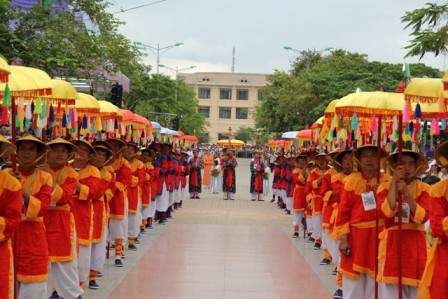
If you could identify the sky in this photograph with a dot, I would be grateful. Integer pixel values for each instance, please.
(259, 29)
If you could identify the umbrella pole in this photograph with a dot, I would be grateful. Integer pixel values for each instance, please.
(14, 168)
(377, 225)
(399, 198)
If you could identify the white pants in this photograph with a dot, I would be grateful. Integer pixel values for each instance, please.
(162, 200)
(117, 229)
(297, 218)
(183, 193)
(326, 241)
(133, 225)
(362, 288)
(288, 202)
(309, 224)
(85, 252)
(178, 194)
(266, 187)
(152, 209)
(214, 185)
(231, 195)
(146, 212)
(317, 226)
(32, 290)
(98, 254)
(388, 290)
(63, 276)
(170, 199)
(334, 250)
(256, 195)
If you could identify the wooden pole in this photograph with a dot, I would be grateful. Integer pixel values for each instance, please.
(377, 222)
(400, 211)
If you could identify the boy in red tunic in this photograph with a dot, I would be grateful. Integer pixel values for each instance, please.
(299, 177)
(10, 219)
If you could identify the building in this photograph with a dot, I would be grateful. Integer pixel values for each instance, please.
(227, 100)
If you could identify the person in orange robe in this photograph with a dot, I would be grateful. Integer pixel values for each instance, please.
(299, 177)
(103, 158)
(31, 246)
(433, 283)
(146, 188)
(208, 163)
(356, 225)
(10, 219)
(60, 222)
(134, 193)
(415, 207)
(122, 174)
(314, 184)
(87, 190)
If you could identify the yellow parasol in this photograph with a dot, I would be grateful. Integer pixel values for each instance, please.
(109, 111)
(87, 105)
(426, 90)
(27, 82)
(4, 70)
(329, 111)
(232, 142)
(63, 92)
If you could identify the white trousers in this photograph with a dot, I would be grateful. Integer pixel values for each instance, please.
(117, 229)
(214, 185)
(317, 226)
(32, 290)
(134, 221)
(309, 224)
(98, 254)
(326, 241)
(146, 212)
(64, 277)
(362, 288)
(230, 194)
(288, 202)
(297, 218)
(266, 187)
(334, 250)
(388, 290)
(85, 252)
(162, 200)
(178, 194)
(256, 195)
(152, 209)
(170, 198)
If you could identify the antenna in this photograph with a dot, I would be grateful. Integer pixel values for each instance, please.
(233, 60)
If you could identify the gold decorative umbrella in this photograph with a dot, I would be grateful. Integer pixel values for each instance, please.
(63, 92)
(109, 111)
(27, 82)
(426, 90)
(87, 105)
(232, 142)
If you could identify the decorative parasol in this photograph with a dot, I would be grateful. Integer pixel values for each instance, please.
(306, 134)
(63, 92)
(232, 142)
(87, 105)
(109, 111)
(426, 90)
(290, 135)
(4, 70)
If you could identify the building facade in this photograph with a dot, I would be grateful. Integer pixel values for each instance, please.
(227, 100)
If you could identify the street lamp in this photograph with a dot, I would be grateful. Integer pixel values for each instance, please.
(177, 70)
(307, 57)
(159, 51)
(230, 133)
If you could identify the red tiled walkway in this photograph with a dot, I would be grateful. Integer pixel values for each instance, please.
(221, 261)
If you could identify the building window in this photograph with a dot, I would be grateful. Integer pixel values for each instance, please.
(242, 113)
(204, 93)
(205, 110)
(260, 95)
(242, 94)
(225, 93)
(225, 112)
(223, 136)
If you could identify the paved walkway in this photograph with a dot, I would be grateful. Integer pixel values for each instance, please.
(214, 248)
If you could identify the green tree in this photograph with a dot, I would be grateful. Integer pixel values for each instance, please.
(155, 95)
(429, 30)
(245, 134)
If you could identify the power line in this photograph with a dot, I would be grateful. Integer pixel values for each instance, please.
(137, 7)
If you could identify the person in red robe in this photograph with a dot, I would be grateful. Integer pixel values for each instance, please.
(433, 283)
(229, 165)
(195, 181)
(10, 217)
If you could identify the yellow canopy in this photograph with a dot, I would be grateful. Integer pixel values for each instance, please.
(329, 111)
(109, 110)
(4, 70)
(233, 142)
(63, 91)
(87, 105)
(426, 90)
(28, 82)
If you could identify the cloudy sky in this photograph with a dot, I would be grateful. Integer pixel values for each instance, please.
(259, 29)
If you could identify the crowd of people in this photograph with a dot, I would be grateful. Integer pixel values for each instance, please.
(374, 224)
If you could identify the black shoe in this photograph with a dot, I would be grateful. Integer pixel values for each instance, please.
(253, 199)
(191, 197)
(142, 231)
(122, 255)
(335, 271)
(93, 285)
(118, 263)
(162, 221)
(54, 295)
(149, 226)
(112, 246)
(272, 200)
(197, 197)
(316, 246)
(132, 247)
(136, 241)
(338, 294)
(287, 212)
(99, 274)
(310, 240)
(295, 235)
(325, 261)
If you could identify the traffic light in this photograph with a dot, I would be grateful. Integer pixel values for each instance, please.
(176, 123)
(116, 94)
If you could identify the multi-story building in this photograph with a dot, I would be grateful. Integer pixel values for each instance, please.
(227, 100)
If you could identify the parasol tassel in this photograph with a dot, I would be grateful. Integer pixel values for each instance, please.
(64, 120)
(417, 126)
(418, 111)
(374, 126)
(38, 107)
(51, 117)
(58, 110)
(442, 105)
(72, 119)
(84, 122)
(4, 115)
(7, 96)
(28, 112)
(425, 127)
(406, 113)
(116, 123)
(32, 108)
(354, 124)
(443, 125)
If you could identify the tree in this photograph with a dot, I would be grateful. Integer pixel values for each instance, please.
(157, 93)
(245, 134)
(59, 41)
(429, 30)
(294, 101)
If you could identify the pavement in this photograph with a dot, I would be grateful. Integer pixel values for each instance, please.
(202, 219)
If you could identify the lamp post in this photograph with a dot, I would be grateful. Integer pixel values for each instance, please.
(159, 51)
(230, 133)
(304, 53)
(177, 70)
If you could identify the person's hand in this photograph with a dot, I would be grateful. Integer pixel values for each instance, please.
(398, 174)
(402, 187)
(344, 246)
